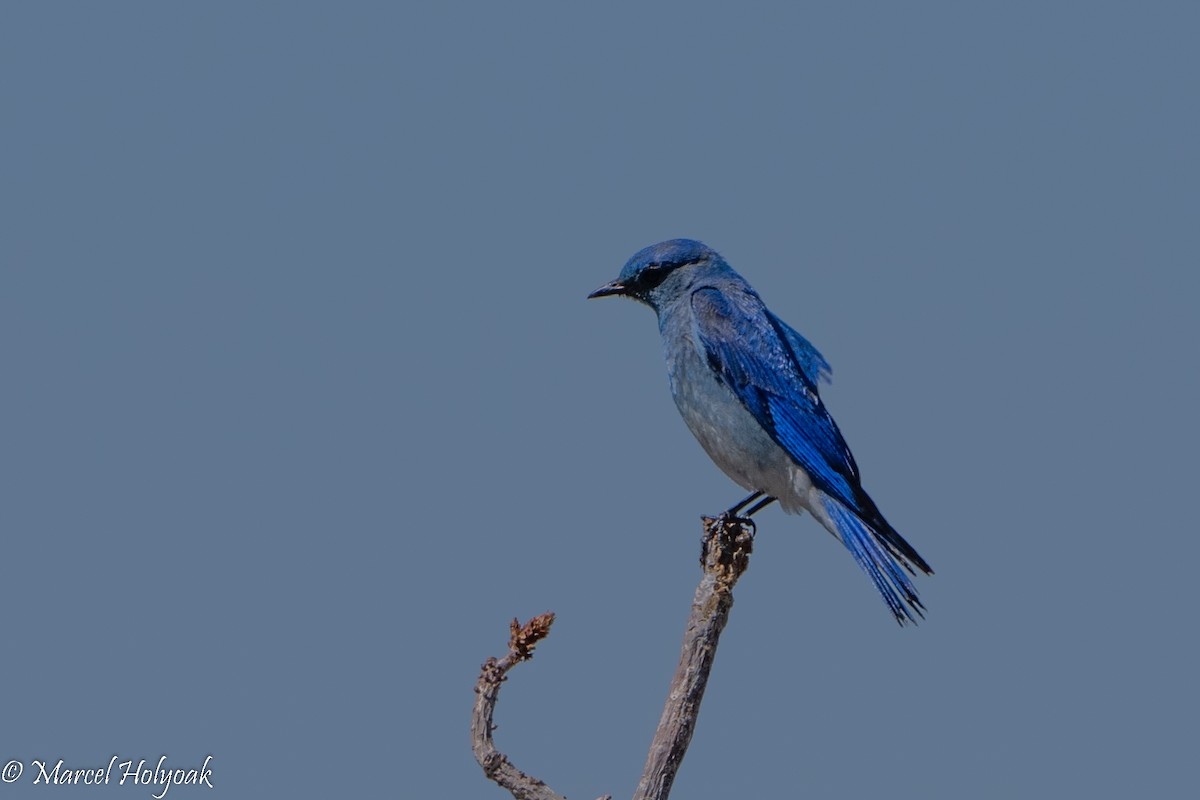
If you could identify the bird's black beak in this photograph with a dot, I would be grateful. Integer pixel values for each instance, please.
(614, 287)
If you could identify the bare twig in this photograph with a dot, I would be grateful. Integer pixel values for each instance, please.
(727, 545)
(522, 639)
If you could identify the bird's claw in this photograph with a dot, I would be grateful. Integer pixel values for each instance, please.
(728, 518)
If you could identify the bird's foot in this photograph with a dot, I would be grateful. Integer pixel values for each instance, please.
(727, 519)
(732, 517)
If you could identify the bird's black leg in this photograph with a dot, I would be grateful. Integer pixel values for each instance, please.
(733, 512)
(759, 506)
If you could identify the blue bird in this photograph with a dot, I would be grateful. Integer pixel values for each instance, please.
(746, 385)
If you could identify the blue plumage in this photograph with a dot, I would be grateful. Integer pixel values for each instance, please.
(746, 384)
(814, 365)
(755, 363)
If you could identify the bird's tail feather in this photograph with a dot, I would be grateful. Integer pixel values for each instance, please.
(904, 552)
(881, 562)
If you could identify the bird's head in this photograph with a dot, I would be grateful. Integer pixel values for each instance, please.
(651, 266)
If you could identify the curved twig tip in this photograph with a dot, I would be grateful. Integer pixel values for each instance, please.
(496, 766)
(523, 638)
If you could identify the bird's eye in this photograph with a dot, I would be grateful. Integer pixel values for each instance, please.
(651, 275)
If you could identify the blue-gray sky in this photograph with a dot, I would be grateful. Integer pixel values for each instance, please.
(303, 401)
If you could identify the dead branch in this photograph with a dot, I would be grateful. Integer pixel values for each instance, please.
(726, 554)
(727, 546)
(521, 642)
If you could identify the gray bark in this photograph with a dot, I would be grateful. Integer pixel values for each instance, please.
(726, 554)
(727, 545)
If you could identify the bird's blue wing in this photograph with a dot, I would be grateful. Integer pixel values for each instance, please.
(815, 367)
(773, 371)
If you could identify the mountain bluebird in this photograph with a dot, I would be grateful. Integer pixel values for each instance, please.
(746, 385)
